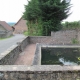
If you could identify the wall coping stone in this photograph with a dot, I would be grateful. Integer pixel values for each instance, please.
(20, 41)
(38, 68)
(39, 36)
(2, 55)
(58, 46)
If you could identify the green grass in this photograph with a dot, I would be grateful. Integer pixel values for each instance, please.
(26, 33)
(75, 41)
(5, 38)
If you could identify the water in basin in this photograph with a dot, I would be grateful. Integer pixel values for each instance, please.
(60, 56)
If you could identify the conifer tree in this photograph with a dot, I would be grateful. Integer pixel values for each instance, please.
(49, 12)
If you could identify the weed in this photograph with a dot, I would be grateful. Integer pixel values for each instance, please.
(75, 41)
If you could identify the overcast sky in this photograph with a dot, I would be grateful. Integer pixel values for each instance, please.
(11, 10)
(75, 16)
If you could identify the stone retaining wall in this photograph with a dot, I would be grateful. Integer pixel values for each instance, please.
(40, 39)
(23, 43)
(66, 36)
(49, 72)
(59, 37)
(9, 56)
(8, 71)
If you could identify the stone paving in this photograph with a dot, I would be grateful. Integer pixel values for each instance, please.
(26, 57)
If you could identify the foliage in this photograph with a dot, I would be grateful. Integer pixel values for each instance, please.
(34, 29)
(44, 16)
(31, 14)
(5, 38)
(26, 33)
(75, 41)
(71, 25)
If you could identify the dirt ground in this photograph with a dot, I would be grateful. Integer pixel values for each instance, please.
(26, 57)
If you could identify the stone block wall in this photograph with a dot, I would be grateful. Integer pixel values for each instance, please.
(78, 37)
(65, 37)
(39, 72)
(23, 43)
(40, 39)
(8, 71)
(59, 37)
(10, 55)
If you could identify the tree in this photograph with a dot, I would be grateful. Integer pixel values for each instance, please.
(50, 13)
(32, 14)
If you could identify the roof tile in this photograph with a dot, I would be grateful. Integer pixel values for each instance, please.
(5, 25)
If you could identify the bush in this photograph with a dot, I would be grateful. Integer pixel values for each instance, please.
(75, 41)
(26, 33)
(71, 25)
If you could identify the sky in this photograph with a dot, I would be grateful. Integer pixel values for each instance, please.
(12, 10)
(75, 16)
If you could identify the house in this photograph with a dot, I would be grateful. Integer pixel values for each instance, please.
(20, 26)
(5, 29)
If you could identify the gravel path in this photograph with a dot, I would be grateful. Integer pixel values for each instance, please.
(26, 57)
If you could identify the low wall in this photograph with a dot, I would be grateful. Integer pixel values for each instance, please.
(47, 40)
(59, 37)
(78, 37)
(9, 56)
(8, 71)
(39, 72)
(40, 39)
(65, 36)
(23, 43)
(37, 56)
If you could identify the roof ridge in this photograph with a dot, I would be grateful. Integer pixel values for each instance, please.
(5, 25)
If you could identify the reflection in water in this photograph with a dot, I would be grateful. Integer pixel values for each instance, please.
(60, 56)
(67, 62)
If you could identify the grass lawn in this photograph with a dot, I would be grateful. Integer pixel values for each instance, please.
(5, 38)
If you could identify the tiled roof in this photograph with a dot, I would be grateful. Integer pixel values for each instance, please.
(23, 22)
(5, 25)
(18, 21)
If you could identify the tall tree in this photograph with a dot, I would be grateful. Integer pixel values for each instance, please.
(49, 12)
